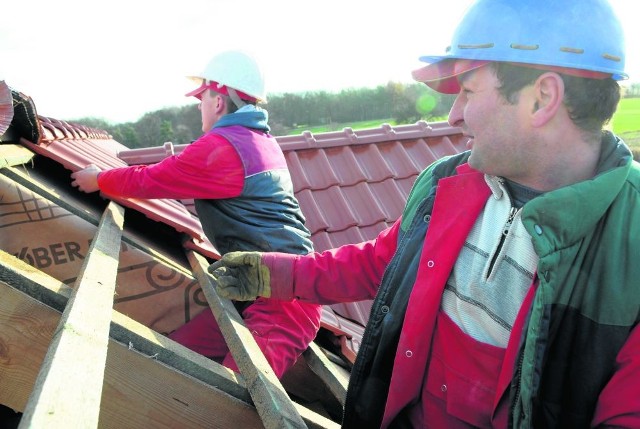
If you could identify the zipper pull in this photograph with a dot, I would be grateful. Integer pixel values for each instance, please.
(507, 226)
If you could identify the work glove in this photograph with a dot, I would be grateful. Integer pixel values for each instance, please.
(241, 276)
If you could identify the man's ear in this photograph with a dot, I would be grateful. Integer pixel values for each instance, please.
(221, 106)
(549, 98)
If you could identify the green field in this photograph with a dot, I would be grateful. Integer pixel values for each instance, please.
(625, 123)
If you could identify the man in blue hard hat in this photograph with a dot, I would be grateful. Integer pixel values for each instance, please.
(505, 295)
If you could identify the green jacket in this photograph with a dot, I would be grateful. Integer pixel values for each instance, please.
(586, 303)
(588, 299)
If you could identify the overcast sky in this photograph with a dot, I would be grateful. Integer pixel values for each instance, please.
(119, 59)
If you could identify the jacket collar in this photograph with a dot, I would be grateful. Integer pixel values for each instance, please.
(565, 215)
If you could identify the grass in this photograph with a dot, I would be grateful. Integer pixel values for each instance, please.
(334, 126)
(627, 117)
(625, 123)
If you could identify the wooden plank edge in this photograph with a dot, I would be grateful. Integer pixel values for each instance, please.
(67, 394)
(14, 154)
(327, 372)
(139, 338)
(55, 294)
(139, 391)
(271, 400)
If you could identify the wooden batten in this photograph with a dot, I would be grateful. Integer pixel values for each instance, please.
(82, 336)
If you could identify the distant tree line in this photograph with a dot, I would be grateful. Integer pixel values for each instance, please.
(632, 90)
(397, 102)
(401, 103)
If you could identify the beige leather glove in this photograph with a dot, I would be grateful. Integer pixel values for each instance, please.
(241, 276)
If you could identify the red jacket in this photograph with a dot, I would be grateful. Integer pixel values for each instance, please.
(354, 272)
(211, 168)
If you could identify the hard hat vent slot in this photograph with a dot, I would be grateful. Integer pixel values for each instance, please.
(611, 57)
(525, 47)
(481, 46)
(572, 50)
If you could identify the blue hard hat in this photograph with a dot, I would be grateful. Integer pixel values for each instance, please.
(571, 34)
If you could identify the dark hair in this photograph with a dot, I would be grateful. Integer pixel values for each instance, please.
(231, 106)
(591, 102)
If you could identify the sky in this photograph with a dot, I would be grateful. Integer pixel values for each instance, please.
(119, 59)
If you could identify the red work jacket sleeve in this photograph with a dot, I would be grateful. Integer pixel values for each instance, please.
(282, 329)
(346, 274)
(209, 168)
(619, 402)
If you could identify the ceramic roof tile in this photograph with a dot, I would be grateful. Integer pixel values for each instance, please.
(325, 168)
(365, 204)
(372, 231)
(322, 241)
(298, 177)
(6, 107)
(345, 165)
(315, 220)
(335, 208)
(405, 185)
(317, 169)
(399, 160)
(76, 146)
(350, 235)
(392, 197)
(372, 161)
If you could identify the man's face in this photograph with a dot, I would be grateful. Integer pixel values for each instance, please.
(209, 109)
(497, 132)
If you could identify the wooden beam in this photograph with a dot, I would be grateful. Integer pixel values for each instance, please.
(14, 154)
(140, 391)
(271, 400)
(65, 394)
(142, 387)
(160, 374)
(55, 294)
(327, 371)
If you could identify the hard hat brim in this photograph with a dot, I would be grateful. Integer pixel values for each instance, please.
(442, 74)
(220, 89)
(198, 91)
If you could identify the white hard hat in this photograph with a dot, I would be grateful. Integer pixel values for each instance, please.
(232, 69)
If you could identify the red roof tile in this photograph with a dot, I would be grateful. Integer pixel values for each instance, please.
(6, 107)
(353, 184)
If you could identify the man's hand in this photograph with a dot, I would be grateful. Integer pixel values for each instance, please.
(241, 276)
(86, 180)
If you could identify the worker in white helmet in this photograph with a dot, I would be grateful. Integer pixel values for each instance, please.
(508, 294)
(238, 177)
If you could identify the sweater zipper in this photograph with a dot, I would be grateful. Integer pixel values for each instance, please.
(503, 237)
(516, 394)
